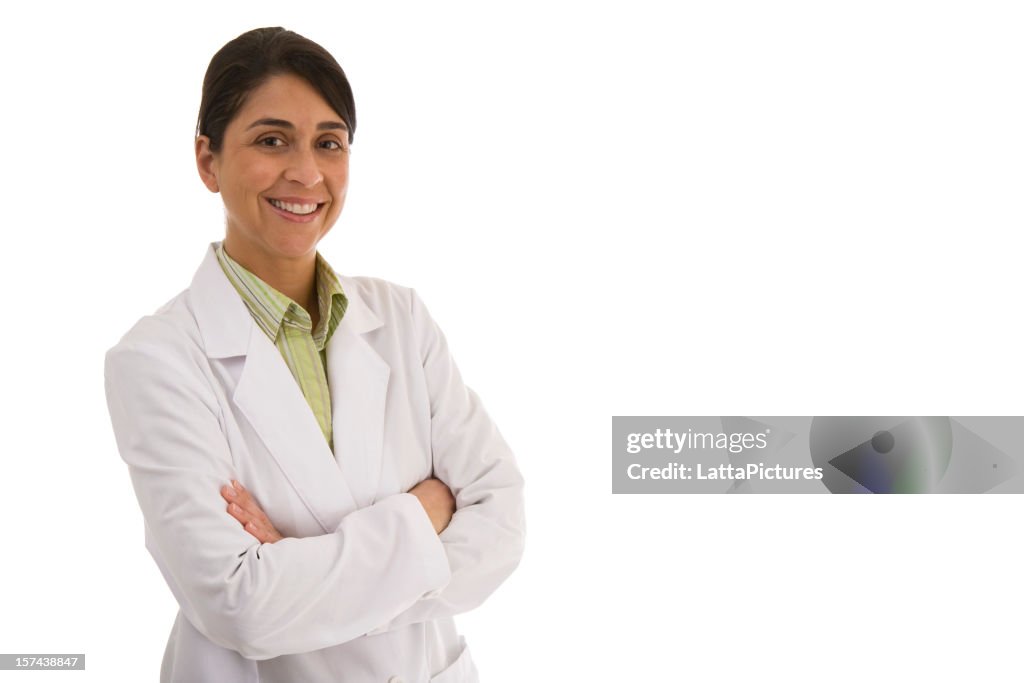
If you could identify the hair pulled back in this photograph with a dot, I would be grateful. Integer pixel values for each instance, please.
(246, 62)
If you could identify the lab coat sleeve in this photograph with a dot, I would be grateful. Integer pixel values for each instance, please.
(297, 595)
(484, 541)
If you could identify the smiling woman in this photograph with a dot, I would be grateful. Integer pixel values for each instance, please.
(365, 497)
(282, 171)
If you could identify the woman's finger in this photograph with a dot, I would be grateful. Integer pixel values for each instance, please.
(252, 526)
(237, 503)
(256, 531)
(249, 504)
(245, 500)
(238, 513)
(228, 493)
(244, 508)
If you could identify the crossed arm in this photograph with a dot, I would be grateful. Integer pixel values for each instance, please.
(435, 497)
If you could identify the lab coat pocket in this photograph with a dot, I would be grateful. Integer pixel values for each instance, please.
(462, 670)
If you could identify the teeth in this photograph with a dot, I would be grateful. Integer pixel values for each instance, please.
(300, 209)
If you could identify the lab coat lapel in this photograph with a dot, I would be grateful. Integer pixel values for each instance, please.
(359, 384)
(269, 397)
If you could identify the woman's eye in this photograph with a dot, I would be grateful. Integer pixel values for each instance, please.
(270, 141)
(332, 145)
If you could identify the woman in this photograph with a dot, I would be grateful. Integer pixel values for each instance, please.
(320, 489)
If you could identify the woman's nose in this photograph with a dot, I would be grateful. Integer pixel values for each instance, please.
(303, 169)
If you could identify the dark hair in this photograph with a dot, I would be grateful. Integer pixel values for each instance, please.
(246, 62)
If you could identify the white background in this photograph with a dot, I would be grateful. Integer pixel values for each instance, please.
(710, 208)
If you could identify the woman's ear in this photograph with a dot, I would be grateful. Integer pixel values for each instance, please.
(206, 163)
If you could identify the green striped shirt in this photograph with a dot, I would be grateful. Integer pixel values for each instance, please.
(289, 326)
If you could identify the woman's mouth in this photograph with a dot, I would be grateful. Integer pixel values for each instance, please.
(299, 212)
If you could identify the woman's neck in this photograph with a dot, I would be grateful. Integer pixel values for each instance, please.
(293, 277)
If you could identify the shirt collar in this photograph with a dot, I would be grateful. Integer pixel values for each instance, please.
(331, 299)
(271, 309)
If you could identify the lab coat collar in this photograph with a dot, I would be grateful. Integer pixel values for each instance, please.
(224, 321)
(330, 484)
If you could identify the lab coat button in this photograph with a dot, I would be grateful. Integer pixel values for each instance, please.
(396, 679)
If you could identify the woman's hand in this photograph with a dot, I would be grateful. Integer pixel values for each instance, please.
(243, 507)
(437, 501)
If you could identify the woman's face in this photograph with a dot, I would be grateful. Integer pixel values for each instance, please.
(282, 172)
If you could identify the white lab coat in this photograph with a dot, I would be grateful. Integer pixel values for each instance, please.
(363, 589)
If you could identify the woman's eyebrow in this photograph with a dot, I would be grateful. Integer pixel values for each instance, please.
(331, 125)
(281, 123)
(277, 123)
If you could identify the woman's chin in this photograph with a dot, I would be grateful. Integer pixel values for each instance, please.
(275, 242)
(290, 244)
(295, 241)
(292, 249)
